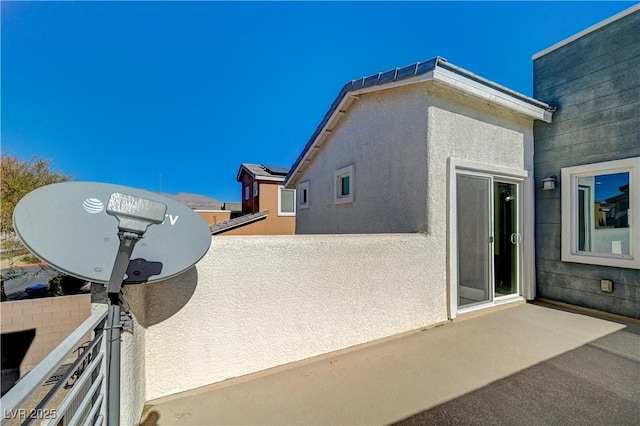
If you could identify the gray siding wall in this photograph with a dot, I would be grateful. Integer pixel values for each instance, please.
(594, 82)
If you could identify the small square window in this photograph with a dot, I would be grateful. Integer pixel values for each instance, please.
(255, 189)
(597, 225)
(246, 192)
(343, 185)
(303, 195)
(286, 201)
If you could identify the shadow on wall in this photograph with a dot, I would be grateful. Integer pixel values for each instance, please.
(152, 419)
(167, 298)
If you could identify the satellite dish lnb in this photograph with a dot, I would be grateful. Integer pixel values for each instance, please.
(73, 226)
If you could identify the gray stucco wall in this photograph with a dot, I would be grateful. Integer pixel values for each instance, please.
(594, 82)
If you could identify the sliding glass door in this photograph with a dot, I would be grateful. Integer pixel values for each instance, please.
(488, 238)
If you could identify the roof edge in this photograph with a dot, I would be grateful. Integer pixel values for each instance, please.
(589, 30)
(406, 75)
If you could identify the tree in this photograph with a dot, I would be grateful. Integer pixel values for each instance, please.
(20, 177)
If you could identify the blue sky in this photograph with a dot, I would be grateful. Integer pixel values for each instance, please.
(126, 92)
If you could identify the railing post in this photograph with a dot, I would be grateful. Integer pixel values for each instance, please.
(103, 369)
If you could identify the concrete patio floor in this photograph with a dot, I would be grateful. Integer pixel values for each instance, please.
(527, 364)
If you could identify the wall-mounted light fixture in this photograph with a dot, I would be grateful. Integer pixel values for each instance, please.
(549, 183)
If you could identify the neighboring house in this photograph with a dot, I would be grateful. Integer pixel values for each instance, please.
(588, 228)
(211, 210)
(430, 148)
(267, 207)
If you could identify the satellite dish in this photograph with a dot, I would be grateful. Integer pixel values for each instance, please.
(102, 233)
(67, 226)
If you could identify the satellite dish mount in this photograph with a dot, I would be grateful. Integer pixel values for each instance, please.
(135, 215)
(80, 218)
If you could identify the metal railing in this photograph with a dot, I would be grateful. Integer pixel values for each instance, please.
(84, 402)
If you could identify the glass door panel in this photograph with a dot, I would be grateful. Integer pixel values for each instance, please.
(507, 238)
(474, 243)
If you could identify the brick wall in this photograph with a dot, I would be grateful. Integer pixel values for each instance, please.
(54, 318)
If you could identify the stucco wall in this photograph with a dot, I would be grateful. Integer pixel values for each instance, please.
(384, 135)
(594, 82)
(133, 393)
(463, 128)
(398, 141)
(258, 302)
(273, 224)
(214, 216)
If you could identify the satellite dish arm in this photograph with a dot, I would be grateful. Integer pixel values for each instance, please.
(127, 243)
(135, 215)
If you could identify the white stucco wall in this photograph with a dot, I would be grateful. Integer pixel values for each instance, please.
(399, 141)
(384, 135)
(132, 366)
(258, 302)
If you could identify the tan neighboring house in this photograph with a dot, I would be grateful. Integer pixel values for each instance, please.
(268, 208)
(210, 209)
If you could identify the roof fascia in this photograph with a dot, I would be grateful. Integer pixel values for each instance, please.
(453, 76)
(492, 95)
(243, 169)
(589, 30)
(269, 178)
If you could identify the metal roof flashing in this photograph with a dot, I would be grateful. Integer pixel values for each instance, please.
(436, 69)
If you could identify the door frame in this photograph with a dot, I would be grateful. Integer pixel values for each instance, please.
(526, 221)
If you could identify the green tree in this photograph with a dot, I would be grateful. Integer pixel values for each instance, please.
(18, 178)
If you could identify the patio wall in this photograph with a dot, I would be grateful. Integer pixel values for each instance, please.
(53, 318)
(253, 303)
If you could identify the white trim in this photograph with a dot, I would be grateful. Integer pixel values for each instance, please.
(280, 212)
(569, 197)
(451, 79)
(527, 251)
(270, 179)
(488, 168)
(303, 187)
(483, 91)
(589, 30)
(338, 175)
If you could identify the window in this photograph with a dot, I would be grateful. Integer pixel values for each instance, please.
(246, 192)
(286, 201)
(600, 225)
(343, 185)
(255, 188)
(303, 195)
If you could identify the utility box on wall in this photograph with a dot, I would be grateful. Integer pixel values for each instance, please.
(606, 285)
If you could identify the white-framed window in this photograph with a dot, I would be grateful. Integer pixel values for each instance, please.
(343, 185)
(303, 195)
(246, 192)
(255, 188)
(286, 201)
(601, 213)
